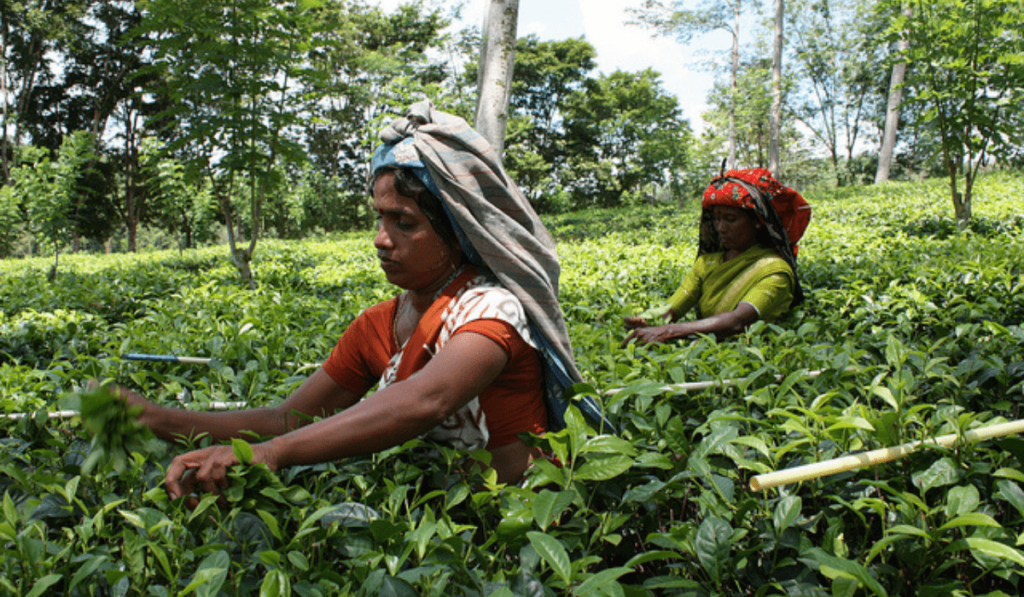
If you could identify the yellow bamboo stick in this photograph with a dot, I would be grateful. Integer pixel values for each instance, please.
(698, 386)
(880, 456)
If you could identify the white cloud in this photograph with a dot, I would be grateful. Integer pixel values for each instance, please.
(633, 48)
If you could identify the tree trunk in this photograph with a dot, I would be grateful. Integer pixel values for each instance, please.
(494, 79)
(961, 208)
(733, 86)
(5, 167)
(961, 204)
(892, 113)
(132, 219)
(240, 257)
(775, 116)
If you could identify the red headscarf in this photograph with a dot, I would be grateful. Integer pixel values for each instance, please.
(739, 188)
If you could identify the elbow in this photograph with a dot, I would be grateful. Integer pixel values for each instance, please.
(430, 409)
(736, 323)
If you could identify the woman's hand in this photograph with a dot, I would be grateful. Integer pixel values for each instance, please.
(721, 325)
(632, 323)
(651, 315)
(652, 335)
(149, 410)
(207, 469)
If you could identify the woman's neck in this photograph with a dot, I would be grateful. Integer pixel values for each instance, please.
(420, 299)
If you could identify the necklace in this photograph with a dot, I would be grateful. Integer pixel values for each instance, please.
(403, 303)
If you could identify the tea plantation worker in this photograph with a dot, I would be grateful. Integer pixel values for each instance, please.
(746, 261)
(472, 352)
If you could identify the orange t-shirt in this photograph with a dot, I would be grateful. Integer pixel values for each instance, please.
(512, 404)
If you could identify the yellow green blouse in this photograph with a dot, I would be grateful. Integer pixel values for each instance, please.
(757, 276)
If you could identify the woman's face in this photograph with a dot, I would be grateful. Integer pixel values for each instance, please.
(736, 227)
(412, 255)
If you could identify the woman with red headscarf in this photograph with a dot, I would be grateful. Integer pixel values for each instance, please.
(746, 261)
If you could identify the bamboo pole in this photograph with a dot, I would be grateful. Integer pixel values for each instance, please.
(160, 358)
(166, 358)
(67, 414)
(880, 456)
(698, 386)
(170, 358)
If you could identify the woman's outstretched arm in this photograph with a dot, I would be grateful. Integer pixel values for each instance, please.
(318, 396)
(460, 371)
(721, 325)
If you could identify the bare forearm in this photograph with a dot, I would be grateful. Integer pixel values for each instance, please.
(723, 324)
(318, 396)
(381, 422)
(174, 424)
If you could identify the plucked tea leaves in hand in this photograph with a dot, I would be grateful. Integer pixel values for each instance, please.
(115, 429)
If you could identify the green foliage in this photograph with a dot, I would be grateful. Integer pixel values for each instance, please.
(911, 330)
(115, 429)
(965, 71)
(837, 58)
(576, 141)
(623, 132)
(48, 189)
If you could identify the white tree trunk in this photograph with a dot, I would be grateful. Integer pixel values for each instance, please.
(892, 113)
(494, 79)
(775, 116)
(733, 87)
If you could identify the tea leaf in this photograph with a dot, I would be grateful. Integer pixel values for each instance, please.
(833, 567)
(995, 549)
(43, 584)
(786, 512)
(552, 552)
(712, 544)
(548, 505)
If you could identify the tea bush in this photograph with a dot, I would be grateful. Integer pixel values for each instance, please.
(911, 329)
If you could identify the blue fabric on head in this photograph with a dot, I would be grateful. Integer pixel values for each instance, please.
(404, 155)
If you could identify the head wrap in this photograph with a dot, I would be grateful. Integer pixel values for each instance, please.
(782, 210)
(497, 229)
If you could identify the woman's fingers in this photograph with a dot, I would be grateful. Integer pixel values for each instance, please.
(647, 335)
(206, 468)
(632, 323)
(637, 335)
(180, 480)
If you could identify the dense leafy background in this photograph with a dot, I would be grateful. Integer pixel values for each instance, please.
(911, 329)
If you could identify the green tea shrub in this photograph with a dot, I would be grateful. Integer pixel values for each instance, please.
(911, 329)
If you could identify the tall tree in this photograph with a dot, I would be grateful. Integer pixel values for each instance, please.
(675, 19)
(370, 62)
(548, 73)
(836, 57)
(751, 115)
(180, 202)
(892, 109)
(624, 133)
(237, 71)
(966, 69)
(775, 115)
(37, 37)
(50, 189)
(494, 82)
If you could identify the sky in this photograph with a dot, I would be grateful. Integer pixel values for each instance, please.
(619, 46)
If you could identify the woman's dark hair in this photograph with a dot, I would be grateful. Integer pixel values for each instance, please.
(409, 185)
